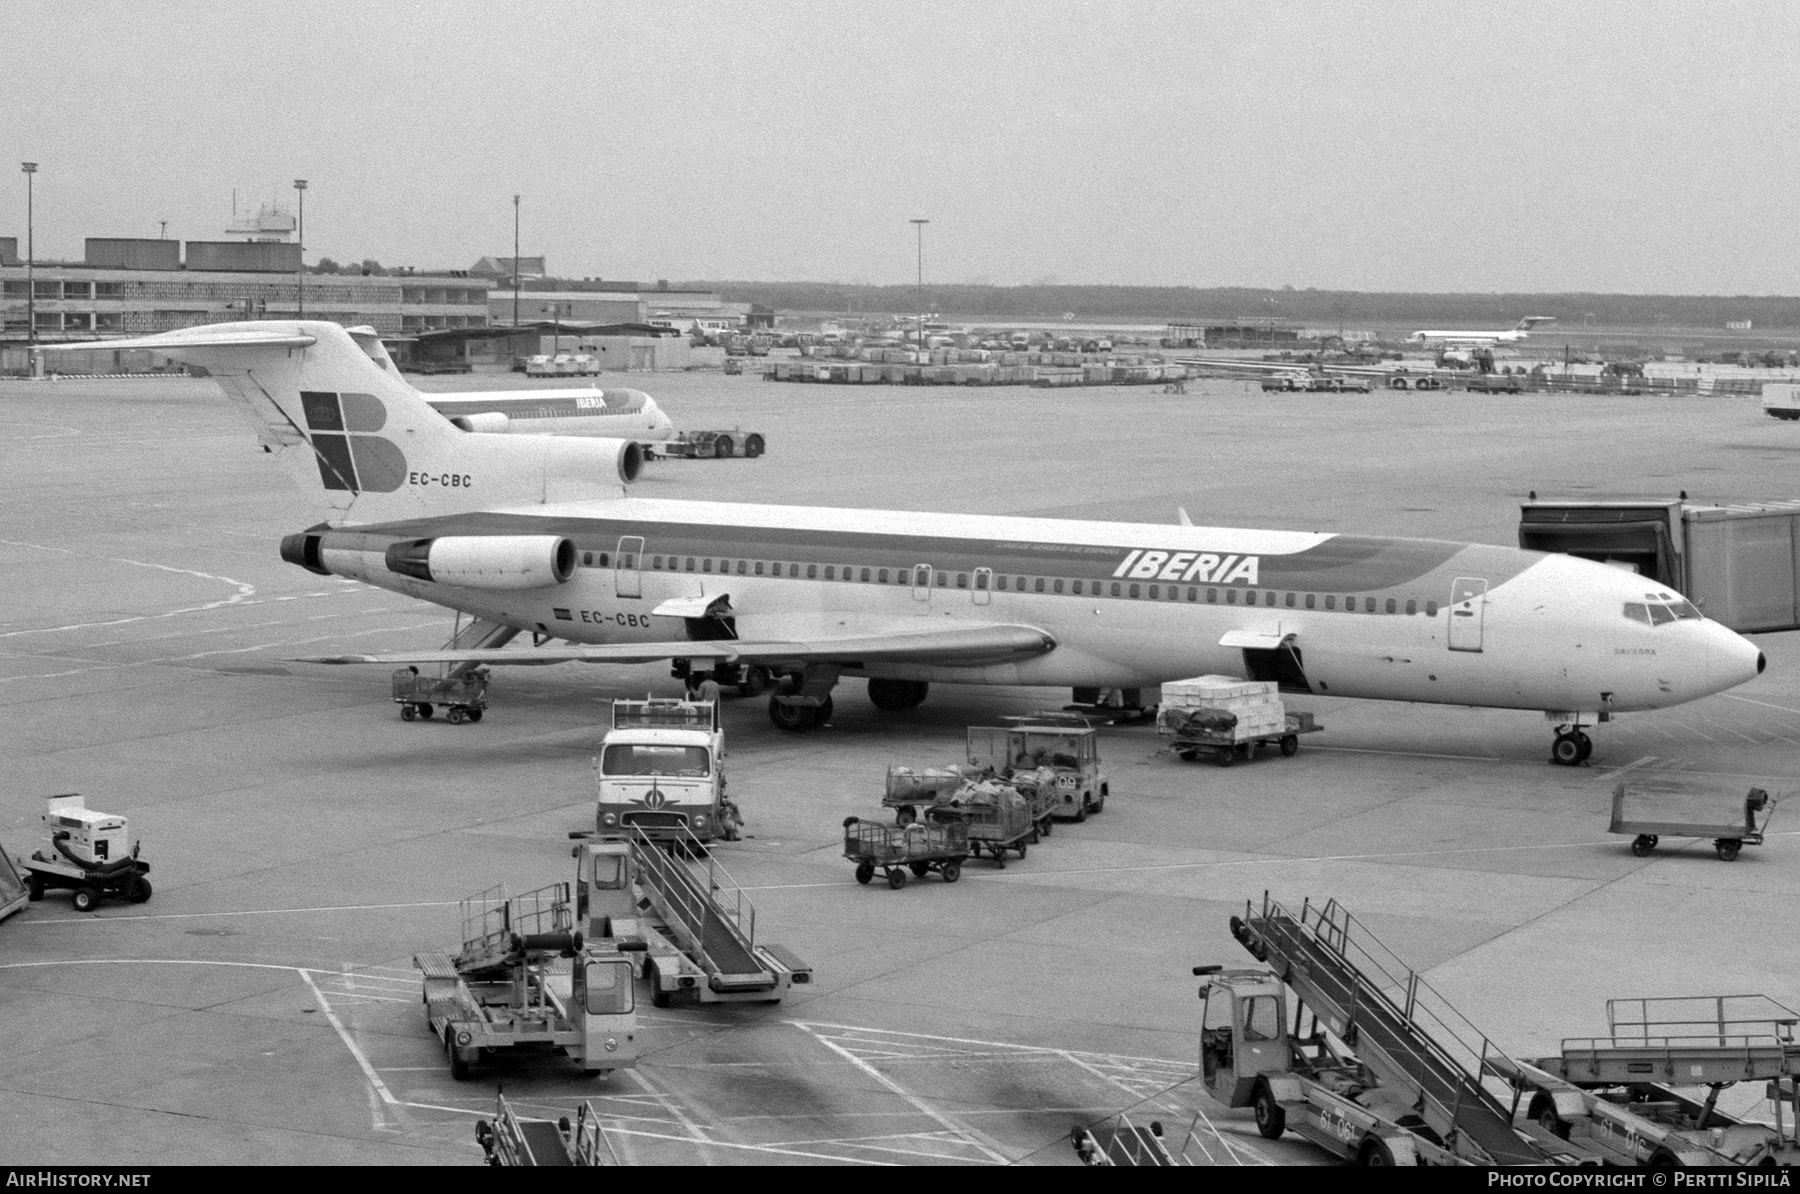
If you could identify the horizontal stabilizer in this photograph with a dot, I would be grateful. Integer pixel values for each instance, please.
(1255, 639)
(970, 646)
(204, 337)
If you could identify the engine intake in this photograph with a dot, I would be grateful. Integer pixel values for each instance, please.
(487, 422)
(495, 562)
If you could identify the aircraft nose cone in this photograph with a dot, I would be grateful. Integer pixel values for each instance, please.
(1736, 660)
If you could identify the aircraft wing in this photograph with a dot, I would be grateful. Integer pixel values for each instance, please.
(966, 646)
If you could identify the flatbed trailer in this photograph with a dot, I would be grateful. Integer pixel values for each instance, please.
(1648, 821)
(1226, 748)
(462, 695)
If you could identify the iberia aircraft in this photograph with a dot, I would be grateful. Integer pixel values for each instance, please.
(582, 410)
(534, 533)
(1512, 335)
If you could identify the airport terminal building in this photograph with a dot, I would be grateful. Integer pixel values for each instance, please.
(128, 287)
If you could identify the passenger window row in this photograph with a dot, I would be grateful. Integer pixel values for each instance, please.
(1039, 584)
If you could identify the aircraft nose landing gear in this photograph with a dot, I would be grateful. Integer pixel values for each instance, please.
(1571, 747)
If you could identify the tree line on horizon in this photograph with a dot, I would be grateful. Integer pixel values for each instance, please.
(1285, 306)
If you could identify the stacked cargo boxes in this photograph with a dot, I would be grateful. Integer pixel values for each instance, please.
(1255, 703)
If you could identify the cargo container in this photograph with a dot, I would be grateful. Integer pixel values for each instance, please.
(1739, 563)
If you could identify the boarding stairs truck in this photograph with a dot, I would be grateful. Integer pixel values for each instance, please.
(695, 925)
(528, 977)
(661, 771)
(1616, 1095)
(1386, 1073)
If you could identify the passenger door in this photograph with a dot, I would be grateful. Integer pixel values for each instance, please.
(628, 567)
(921, 582)
(1468, 601)
(984, 585)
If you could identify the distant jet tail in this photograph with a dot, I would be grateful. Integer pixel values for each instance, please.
(330, 404)
(1531, 321)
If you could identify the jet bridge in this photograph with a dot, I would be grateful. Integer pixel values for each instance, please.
(1407, 1034)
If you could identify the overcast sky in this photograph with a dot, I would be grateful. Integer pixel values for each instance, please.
(1583, 145)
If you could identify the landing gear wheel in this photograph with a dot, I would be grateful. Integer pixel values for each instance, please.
(1566, 749)
(474, 715)
(1290, 746)
(793, 718)
(723, 447)
(755, 682)
(865, 871)
(753, 446)
(896, 878)
(85, 899)
(951, 871)
(424, 712)
(407, 713)
(455, 716)
(1586, 744)
(1271, 1120)
(140, 892)
(1728, 849)
(1642, 844)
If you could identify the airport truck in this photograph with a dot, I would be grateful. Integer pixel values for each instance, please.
(527, 978)
(1062, 742)
(661, 770)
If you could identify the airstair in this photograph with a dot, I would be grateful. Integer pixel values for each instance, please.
(1398, 1025)
(476, 635)
(708, 925)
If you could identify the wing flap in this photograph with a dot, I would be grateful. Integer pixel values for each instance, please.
(968, 646)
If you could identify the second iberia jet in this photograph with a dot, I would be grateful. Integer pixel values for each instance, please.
(533, 533)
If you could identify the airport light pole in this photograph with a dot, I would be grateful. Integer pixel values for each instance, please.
(300, 185)
(30, 168)
(515, 262)
(919, 224)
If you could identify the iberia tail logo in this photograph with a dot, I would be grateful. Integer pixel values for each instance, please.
(351, 457)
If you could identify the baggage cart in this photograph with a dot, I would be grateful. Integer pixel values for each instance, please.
(1650, 810)
(1195, 739)
(464, 696)
(895, 849)
(997, 821)
(910, 789)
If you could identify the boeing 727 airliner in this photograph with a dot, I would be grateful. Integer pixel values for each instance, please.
(532, 533)
(1512, 335)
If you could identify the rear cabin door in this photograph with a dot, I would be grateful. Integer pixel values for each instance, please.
(630, 564)
(1468, 599)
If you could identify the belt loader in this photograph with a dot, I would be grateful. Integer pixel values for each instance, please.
(1616, 1095)
(526, 977)
(1372, 1065)
(694, 926)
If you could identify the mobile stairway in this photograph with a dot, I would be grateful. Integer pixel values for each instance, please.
(1402, 1029)
(697, 925)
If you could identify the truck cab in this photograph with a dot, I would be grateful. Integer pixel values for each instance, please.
(660, 769)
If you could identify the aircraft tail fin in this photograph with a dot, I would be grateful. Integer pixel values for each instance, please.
(330, 404)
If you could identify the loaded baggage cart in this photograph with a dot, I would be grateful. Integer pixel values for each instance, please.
(910, 789)
(88, 854)
(897, 849)
(998, 818)
(464, 696)
(1228, 718)
(1648, 809)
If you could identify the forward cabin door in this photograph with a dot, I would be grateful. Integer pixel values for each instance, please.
(1468, 599)
(921, 582)
(628, 567)
(984, 585)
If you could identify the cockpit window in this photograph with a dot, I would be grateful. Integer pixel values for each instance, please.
(1661, 611)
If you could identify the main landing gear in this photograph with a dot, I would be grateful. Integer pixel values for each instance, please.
(1571, 747)
(795, 716)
